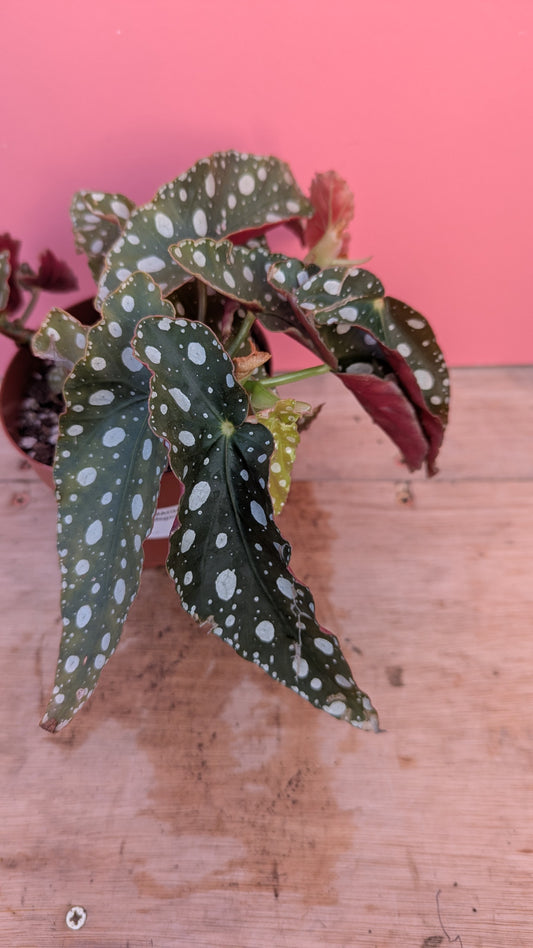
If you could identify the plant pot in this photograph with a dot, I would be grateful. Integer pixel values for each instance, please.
(12, 392)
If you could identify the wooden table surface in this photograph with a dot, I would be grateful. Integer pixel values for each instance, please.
(197, 803)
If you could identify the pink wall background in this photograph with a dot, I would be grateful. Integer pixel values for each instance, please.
(424, 107)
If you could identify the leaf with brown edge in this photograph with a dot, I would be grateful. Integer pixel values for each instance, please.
(245, 365)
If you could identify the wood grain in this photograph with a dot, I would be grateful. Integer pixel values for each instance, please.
(197, 803)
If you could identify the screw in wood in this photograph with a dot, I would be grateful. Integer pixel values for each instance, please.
(76, 917)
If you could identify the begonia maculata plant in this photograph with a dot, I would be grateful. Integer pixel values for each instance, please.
(171, 375)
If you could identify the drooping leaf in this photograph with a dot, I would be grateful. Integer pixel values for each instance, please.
(225, 194)
(326, 232)
(227, 558)
(53, 275)
(97, 221)
(282, 421)
(107, 471)
(372, 335)
(414, 357)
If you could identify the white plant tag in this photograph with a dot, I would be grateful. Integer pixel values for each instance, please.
(163, 520)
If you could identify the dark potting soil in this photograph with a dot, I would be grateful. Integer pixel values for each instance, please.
(38, 422)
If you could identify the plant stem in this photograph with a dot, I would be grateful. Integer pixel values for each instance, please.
(21, 320)
(202, 301)
(17, 333)
(243, 333)
(284, 378)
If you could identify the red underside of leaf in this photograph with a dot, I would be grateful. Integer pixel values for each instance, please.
(388, 407)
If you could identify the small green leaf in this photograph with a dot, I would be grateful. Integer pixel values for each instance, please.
(5, 273)
(107, 470)
(98, 220)
(61, 338)
(227, 558)
(225, 194)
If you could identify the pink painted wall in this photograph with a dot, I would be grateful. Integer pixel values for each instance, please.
(424, 107)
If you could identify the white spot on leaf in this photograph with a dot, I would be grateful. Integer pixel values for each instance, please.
(199, 495)
(258, 513)
(225, 584)
(265, 631)
(86, 476)
(151, 264)
(199, 222)
(94, 532)
(113, 437)
(196, 353)
(164, 225)
(180, 398)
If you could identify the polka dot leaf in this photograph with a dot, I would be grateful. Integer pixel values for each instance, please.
(107, 471)
(228, 560)
(239, 273)
(97, 222)
(386, 352)
(61, 338)
(334, 289)
(225, 194)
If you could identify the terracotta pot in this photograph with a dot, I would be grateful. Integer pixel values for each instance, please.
(13, 390)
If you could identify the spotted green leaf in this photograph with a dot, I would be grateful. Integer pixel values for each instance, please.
(5, 273)
(60, 338)
(107, 471)
(282, 421)
(240, 273)
(334, 291)
(421, 376)
(386, 352)
(227, 558)
(98, 220)
(225, 194)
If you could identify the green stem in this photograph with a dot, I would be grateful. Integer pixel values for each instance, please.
(243, 333)
(284, 378)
